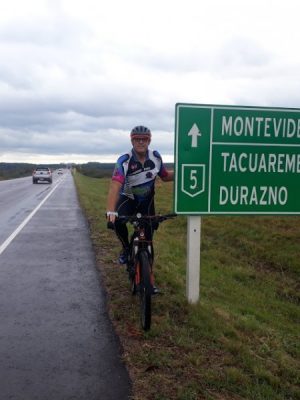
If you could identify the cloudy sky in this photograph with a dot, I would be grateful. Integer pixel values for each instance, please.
(77, 75)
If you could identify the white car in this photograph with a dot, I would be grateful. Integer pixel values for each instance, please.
(42, 174)
(60, 171)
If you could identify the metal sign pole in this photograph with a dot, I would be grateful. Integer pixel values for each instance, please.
(193, 259)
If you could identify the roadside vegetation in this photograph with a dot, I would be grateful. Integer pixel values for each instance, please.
(19, 170)
(242, 340)
(96, 169)
(15, 170)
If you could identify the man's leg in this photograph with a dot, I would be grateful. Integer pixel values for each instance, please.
(125, 206)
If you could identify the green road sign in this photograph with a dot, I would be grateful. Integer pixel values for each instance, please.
(237, 160)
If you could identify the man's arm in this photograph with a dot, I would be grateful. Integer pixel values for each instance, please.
(112, 199)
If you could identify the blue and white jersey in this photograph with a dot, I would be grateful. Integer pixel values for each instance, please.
(138, 179)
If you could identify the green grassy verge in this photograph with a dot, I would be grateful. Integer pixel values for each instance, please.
(242, 340)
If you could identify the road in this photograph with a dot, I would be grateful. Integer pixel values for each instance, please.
(56, 340)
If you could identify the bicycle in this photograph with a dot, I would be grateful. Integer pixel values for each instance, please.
(140, 261)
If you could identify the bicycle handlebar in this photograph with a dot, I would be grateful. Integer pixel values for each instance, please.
(139, 217)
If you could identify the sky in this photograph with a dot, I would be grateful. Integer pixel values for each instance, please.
(77, 75)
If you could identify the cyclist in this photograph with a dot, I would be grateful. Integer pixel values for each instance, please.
(132, 185)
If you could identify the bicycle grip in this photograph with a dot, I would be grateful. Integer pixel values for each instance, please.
(110, 225)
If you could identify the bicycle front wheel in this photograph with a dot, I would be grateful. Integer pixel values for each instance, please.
(145, 290)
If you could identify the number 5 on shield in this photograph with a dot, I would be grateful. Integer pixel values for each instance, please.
(193, 178)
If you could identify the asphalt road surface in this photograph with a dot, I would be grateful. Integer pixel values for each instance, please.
(56, 340)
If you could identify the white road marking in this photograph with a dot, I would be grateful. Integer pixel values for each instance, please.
(26, 220)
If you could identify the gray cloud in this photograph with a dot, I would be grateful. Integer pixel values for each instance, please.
(74, 81)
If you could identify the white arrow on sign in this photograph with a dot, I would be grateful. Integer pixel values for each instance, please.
(194, 132)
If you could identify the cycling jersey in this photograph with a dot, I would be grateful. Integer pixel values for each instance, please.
(138, 179)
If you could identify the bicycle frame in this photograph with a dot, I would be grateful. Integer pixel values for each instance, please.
(138, 243)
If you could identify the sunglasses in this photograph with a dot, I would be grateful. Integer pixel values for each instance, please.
(143, 140)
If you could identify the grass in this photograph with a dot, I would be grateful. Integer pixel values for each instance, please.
(241, 341)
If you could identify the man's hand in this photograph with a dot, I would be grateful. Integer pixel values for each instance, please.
(111, 216)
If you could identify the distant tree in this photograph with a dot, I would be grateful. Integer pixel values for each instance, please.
(96, 169)
(15, 170)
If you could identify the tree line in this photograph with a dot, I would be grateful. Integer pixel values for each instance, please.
(91, 169)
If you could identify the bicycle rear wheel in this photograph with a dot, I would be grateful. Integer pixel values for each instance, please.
(145, 290)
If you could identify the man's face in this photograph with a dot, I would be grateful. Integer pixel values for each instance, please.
(140, 144)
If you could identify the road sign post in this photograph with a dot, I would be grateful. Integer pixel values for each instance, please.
(237, 160)
(193, 258)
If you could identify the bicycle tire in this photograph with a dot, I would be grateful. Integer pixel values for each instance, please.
(145, 290)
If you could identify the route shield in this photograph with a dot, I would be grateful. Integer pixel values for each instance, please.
(193, 179)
